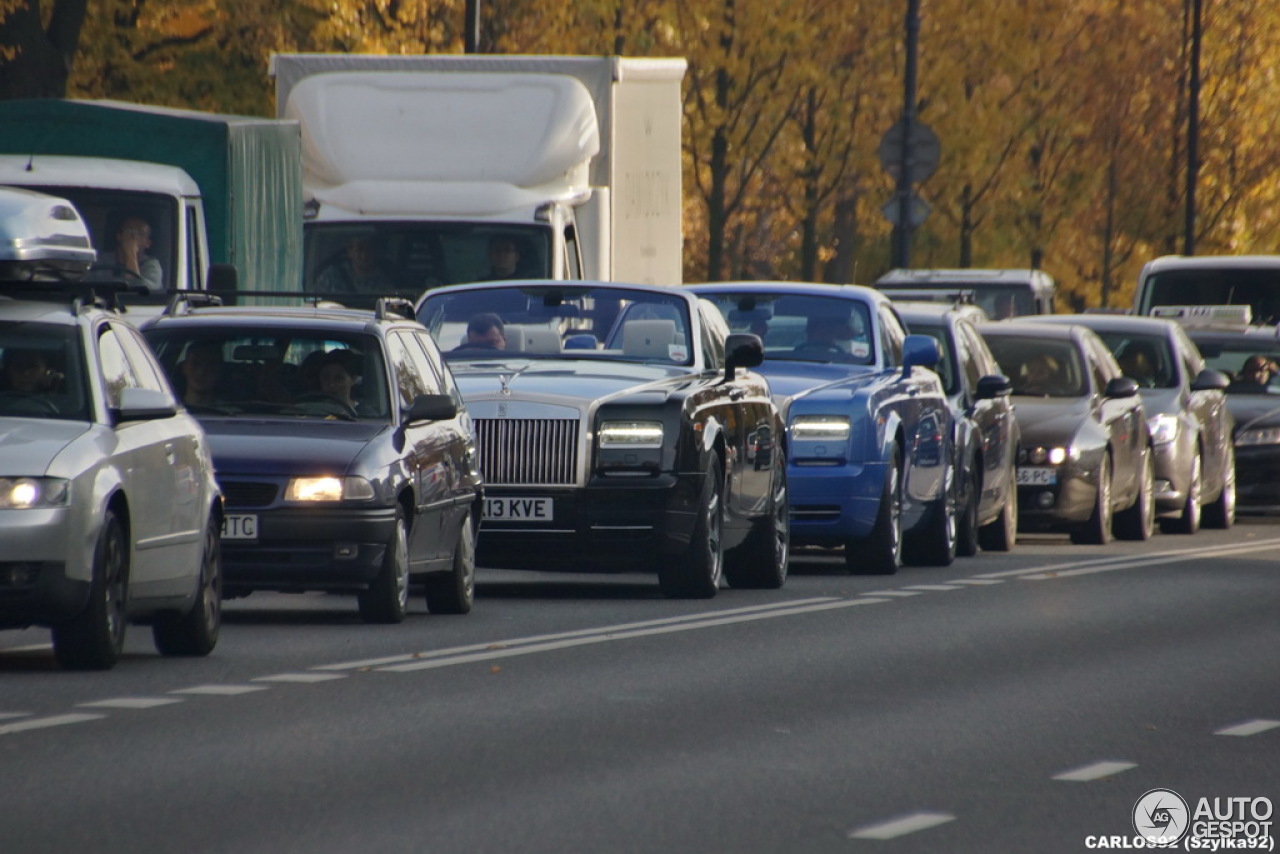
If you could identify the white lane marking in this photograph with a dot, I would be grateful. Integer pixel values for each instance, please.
(931, 587)
(1145, 561)
(35, 647)
(1252, 727)
(220, 690)
(301, 677)
(393, 659)
(897, 593)
(498, 651)
(1158, 557)
(977, 581)
(42, 723)
(896, 827)
(1095, 771)
(130, 703)
(8, 716)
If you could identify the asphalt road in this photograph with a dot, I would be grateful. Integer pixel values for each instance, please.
(1019, 702)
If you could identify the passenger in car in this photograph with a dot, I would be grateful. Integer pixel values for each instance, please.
(201, 371)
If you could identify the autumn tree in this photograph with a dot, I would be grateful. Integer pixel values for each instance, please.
(38, 43)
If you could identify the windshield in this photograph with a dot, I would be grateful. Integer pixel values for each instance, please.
(1256, 287)
(286, 373)
(801, 328)
(1039, 367)
(407, 258)
(42, 372)
(998, 301)
(1149, 359)
(559, 321)
(1240, 360)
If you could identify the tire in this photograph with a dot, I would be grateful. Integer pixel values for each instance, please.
(696, 573)
(1189, 521)
(881, 552)
(387, 598)
(93, 639)
(967, 515)
(936, 545)
(195, 633)
(1138, 521)
(1221, 514)
(761, 562)
(455, 591)
(1002, 534)
(1097, 531)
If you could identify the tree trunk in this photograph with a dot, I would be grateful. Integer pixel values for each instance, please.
(41, 60)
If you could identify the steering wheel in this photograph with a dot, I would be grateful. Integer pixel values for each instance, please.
(22, 400)
(331, 402)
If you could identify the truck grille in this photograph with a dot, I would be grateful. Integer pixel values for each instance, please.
(532, 452)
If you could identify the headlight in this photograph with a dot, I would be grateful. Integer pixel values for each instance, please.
(631, 434)
(825, 428)
(1259, 436)
(328, 489)
(1163, 428)
(27, 493)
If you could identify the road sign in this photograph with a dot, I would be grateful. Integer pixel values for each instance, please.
(917, 210)
(923, 150)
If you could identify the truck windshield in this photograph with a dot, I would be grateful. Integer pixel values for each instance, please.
(407, 258)
(1256, 287)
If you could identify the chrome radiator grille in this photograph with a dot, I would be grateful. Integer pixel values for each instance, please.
(528, 452)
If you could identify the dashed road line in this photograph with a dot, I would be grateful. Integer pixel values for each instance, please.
(1106, 564)
(1094, 771)
(8, 716)
(1252, 727)
(899, 594)
(221, 690)
(305, 678)
(130, 703)
(45, 723)
(901, 826)
(978, 582)
(931, 587)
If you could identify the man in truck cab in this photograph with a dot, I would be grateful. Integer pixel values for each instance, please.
(358, 272)
(130, 258)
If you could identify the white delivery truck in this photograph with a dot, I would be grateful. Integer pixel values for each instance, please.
(570, 167)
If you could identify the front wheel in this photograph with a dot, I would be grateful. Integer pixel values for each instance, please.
(936, 545)
(1189, 521)
(761, 562)
(696, 573)
(881, 552)
(1097, 531)
(195, 633)
(1222, 512)
(967, 514)
(93, 639)
(1002, 534)
(387, 598)
(455, 591)
(1138, 521)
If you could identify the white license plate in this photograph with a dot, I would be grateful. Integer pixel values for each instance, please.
(519, 509)
(240, 527)
(1037, 476)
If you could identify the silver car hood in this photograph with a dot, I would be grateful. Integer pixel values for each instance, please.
(29, 445)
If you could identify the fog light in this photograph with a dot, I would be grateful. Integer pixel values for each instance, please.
(345, 551)
(1044, 500)
(19, 574)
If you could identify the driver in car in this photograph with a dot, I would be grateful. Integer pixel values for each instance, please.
(28, 372)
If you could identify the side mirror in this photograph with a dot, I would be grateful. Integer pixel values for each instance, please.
(992, 386)
(919, 350)
(742, 350)
(222, 279)
(1121, 387)
(1210, 380)
(143, 404)
(432, 407)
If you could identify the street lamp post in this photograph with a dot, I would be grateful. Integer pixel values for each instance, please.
(902, 247)
(1193, 132)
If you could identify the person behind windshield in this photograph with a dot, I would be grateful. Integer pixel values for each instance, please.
(359, 272)
(201, 373)
(1138, 362)
(826, 334)
(1040, 376)
(485, 331)
(504, 259)
(338, 378)
(1255, 376)
(28, 372)
(130, 258)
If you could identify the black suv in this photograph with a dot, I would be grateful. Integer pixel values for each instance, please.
(343, 448)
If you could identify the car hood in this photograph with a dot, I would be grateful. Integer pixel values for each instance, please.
(29, 445)
(795, 379)
(1254, 410)
(273, 447)
(1049, 420)
(571, 382)
(1158, 401)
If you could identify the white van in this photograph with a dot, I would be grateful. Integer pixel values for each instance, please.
(1212, 280)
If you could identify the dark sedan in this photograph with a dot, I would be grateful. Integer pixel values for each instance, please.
(987, 433)
(1085, 461)
(1254, 405)
(342, 446)
(618, 428)
(1187, 415)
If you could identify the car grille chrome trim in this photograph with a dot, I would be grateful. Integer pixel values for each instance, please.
(528, 452)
